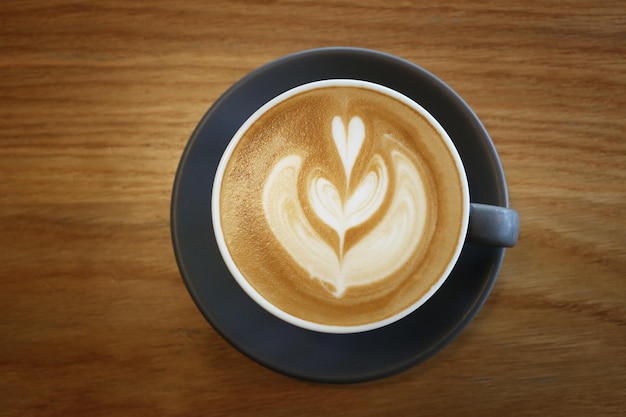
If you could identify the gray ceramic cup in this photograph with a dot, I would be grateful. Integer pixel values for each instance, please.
(482, 224)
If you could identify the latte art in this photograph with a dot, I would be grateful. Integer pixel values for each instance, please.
(340, 205)
(381, 251)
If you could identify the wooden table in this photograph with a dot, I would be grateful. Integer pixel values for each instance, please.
(97, 101)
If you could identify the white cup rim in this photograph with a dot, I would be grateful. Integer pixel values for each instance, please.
(251, 291)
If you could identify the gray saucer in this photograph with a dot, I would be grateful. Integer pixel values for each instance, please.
(281, 346)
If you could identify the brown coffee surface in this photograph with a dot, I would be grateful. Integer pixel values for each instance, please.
(341, 205)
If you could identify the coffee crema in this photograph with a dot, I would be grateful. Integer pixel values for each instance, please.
(341, 205)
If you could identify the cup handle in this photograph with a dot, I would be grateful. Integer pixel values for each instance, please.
(493, 225)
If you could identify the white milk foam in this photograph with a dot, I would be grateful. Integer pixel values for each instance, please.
(379, 253)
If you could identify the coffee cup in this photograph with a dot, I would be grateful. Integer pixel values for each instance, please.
(341, 206)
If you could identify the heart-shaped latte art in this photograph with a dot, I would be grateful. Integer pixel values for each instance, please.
(380, 252)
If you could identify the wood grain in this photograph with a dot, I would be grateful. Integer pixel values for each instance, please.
(97, 101)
